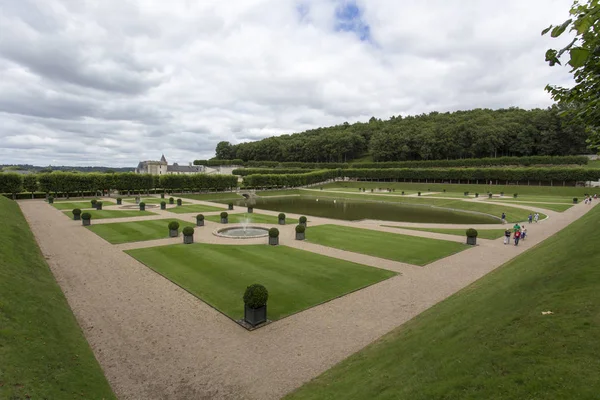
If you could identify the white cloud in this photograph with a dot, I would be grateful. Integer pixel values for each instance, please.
(114, 82)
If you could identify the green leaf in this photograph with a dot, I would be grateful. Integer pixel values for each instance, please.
(582, 25)
(578, 57)
(558, 30)
(546, 30)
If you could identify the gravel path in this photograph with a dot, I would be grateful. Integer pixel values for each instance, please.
(156, 341)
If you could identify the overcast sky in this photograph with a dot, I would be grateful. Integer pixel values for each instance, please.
(113, 82)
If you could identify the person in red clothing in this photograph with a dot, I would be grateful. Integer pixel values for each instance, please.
(517, 237)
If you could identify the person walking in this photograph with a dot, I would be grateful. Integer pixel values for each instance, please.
(536, 217)
(530, 218)
(523, 233)
(517, 237)
(503, 218)
(517, 227)
(507, 236)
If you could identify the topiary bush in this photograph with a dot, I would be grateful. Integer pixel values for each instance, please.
(224, 214)
(94, 203)
(418, 193)
(142, 204)
(171, 200)
(86, 216)
(302, 220)
(575, 200)
(199, 217)
(256, 296)
(76, 211)
(173, 225)
(471, 232)
(50, 199)
(515, 195)
(179, 202)
(273, 232)
(281, 216)
(476, 194)
(188, 231)
(300, 228)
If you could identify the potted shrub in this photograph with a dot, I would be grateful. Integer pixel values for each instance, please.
(224, 217)
(142, 206)
(98, 205)
(444, 190)
(94, 201)
(250, 210)
(255, 304)
(188, 235)
(501, 194)
(274, 236)
(50, 200)
(281, 218)
(471, 236)
(162, 195)
(489, 195)
(179, 202)
(403, 192)
(86, 218)
(76, 214)
(466, 193)
(163, 205)
(419, 193)
(230, 206)
(171, 200)
(515, 195)
(199, 220)
(119, 201)
(476, 195)
(173, 229)
(302, 221)
(300, 232)
(574, 200)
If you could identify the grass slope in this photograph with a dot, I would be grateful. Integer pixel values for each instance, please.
(296, 279)
(43, 354)
(252, 218)
(404, 248)
(194, 208)
(547, 206)
(125, 232)
(481, 233)
(490, 340)
(105, 214)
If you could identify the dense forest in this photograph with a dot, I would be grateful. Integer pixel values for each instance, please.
(461, 134)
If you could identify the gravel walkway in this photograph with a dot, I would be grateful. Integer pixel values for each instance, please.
(156, 341)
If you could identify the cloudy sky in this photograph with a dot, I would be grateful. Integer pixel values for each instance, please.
(113, 82)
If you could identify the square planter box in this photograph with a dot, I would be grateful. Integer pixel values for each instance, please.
(173, 232)
(86, 222)
(250, 210)
(282, 221)
(224, 220)
(230, 207)
(98, 206)
(471, 241)
(142, 208)
(188, 239)
(273, 241)
(255, 316)
(50, 201)
(163, 206)
(199, 222)
(76, 217)
(300, 236)
(119, 202)
(171, 201)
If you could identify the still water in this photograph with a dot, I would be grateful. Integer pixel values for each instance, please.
(353, 210)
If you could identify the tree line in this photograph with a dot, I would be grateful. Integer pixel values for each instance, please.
(67, 183)
(435, 136)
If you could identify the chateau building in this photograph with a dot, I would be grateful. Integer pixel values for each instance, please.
(163, 168)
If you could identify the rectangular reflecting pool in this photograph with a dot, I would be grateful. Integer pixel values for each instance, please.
(353, 210)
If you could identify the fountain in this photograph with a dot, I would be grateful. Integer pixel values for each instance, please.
(242, 232)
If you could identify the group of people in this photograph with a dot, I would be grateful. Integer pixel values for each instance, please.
(588, 198)
(518, 233)
(532, 217)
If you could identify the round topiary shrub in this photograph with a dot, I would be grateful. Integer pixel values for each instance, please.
(76, 211)
(119, 201)
(173, 225)
(224, 214)
(256, 296)
(171, 200)
(179, 202)
(142, 204)
(418, 193)
(476, 194)
(199, 217)
(515, 195)
(230, 206)
(86, 216)
(273, 232)
(50, 199)
(300, 228)
(471, 233)
(188, 231)
(94, 203)
(575, 200)
(302, 220)
(403, 192)
(163, 205)
(98, 205)
(281, 216)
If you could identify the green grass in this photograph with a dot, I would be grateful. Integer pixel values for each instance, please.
(397, 193)
(512, 214)
(461, 188)
(490, 340)
(272, 193)
(105, 214)
(43, 353)
(537, 199)
(547, 206)
(252, 218)
(211, 196)
(194, 208)
(153, 200)
(296, 279)
(124, 232)
(482, 233)
(593, 164)
(70, 205)
(403, 248)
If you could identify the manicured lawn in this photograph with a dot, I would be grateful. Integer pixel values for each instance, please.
(537, 199)
(43, 354)
(154, 200)
(481, 233)
(403, 248)
(252, 218)
(548, 206)
(398, 192)
(211, 196)
(124, 232)
(491, 340)
(195, 208)
(296, 279)
(70, 205)
(103, 214)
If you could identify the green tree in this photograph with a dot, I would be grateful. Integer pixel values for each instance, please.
(225, 151)
(583, 99)
(30, 183)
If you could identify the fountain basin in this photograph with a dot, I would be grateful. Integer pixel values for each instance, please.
(137, 206)
(240, 232)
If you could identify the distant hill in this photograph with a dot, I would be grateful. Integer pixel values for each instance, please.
(24, 168)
